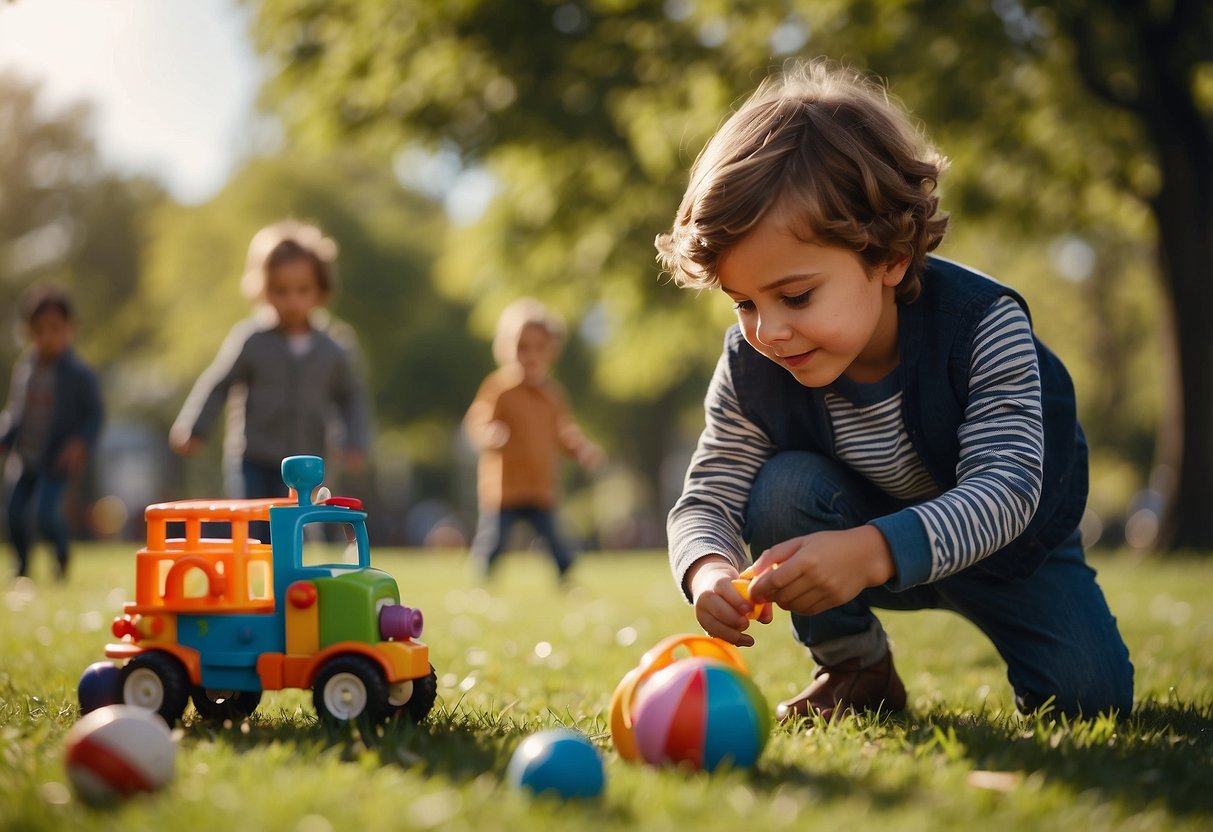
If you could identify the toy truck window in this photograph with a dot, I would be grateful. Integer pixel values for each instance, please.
(330, 544)
(197, 584)
(260, 581)
(210, 530)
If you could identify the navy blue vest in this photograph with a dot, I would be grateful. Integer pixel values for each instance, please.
(936, 334)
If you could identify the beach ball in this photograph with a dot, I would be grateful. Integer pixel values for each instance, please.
(118, 751)
(100, 685)
(557, 761)
(700, 713)
(690, 702)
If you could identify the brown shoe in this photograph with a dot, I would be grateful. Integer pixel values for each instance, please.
(848, 686)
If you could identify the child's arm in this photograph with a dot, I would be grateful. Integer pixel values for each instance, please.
(568, 433)
(704, 527)
(88, 415)
(708, 516)
(9, 421)
(484, 430)
(999, 476)
(209, 394)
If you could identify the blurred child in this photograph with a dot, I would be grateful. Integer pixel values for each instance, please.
(520, 423)
(882, 426)
(282, 376)
(51, 423)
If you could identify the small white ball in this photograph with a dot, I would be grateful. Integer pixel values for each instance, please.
(118, 751)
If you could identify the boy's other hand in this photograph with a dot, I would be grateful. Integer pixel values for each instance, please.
(719, 607)
(823, 570)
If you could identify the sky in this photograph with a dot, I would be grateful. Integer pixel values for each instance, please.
(173, 82)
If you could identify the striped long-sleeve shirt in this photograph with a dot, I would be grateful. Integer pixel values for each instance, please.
(998, 474)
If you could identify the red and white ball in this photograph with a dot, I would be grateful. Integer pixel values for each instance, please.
(118, 751)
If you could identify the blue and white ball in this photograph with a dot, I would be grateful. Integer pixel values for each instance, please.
(560, 762)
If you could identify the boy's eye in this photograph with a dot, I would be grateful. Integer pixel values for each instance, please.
(744, 306)
(797, 301)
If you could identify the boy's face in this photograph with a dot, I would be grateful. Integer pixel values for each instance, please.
(813, 309)
(50, 333)
(536, 353)
(293, 289)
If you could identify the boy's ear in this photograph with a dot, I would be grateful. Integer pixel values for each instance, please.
(894, 271)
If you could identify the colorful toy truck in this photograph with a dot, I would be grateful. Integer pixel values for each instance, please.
(220, 618)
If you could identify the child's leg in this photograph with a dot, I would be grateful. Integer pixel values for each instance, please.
(1054, 630)
(18, 520)
(48, 514)
(797, 493)
(492, 534)
(544, 522)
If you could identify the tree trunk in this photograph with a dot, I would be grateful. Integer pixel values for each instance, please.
(1183, 210)
(1164, 45)
(1185, 228)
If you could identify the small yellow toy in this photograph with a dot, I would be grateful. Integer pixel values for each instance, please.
(742, 584)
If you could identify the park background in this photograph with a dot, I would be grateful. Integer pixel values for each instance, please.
(463, 154)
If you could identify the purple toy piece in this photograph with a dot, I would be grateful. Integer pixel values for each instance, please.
(397, 622)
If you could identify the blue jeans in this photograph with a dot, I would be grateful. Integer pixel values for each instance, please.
(1053, 629)
(45, 491)
(493, 533)
(261, 480)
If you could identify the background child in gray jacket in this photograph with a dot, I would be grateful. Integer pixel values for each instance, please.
(281, 374)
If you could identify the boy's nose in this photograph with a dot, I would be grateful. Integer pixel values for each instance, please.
(771, 329)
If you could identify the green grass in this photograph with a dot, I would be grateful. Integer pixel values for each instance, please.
(521, 656)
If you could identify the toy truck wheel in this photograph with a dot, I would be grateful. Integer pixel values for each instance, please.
(425, 692)
(156, 682)
(222, 705)
(351, 688)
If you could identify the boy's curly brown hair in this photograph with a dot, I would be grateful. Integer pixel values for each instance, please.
(826, 149)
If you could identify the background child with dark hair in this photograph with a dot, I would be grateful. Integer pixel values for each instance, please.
(281, 374)
(50, 424)
(520, 422)
(883, 425)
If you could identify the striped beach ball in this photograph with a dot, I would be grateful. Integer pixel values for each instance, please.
(117, 751)
(700, 713)
(690, 702)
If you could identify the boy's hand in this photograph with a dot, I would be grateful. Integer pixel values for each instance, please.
(72, 457)
(822, 570)
(183, 441)
(590, 456)
(496, 434)
(719, 607)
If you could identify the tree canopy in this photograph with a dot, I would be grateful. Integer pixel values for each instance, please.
(588, 115)
(64, 218)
